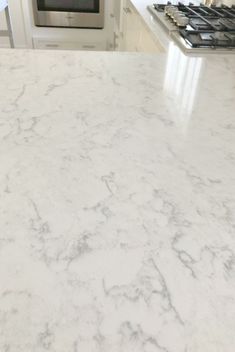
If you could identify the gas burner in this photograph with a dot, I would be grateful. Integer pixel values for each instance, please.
(197, 39)
(228, 23)
(200, 26)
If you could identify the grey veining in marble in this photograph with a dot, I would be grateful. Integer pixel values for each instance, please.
(117, 198)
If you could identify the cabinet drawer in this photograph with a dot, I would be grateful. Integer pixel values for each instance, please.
(64, 45)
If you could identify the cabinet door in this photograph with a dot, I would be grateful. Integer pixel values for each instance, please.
(136, 36)
(130, 28)
(20, 35)
(118, 13)
(147, 43)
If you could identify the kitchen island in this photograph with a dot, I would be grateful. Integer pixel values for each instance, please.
(117, 196)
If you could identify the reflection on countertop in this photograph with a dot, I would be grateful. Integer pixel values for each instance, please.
(182, 79)
(117, 200)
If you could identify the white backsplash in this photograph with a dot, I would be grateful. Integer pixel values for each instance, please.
(229, 2)
(219, 2)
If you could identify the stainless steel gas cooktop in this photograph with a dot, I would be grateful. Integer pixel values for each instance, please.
(198, 27)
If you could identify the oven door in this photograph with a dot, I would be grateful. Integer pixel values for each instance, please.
(69, 13)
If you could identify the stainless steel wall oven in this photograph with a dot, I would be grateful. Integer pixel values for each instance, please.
(69, 13)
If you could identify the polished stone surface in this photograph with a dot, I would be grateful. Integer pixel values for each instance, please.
(117, 198)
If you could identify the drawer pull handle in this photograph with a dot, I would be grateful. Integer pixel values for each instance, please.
(88, 46)
(52, 45)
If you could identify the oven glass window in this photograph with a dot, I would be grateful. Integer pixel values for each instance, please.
(69, 5)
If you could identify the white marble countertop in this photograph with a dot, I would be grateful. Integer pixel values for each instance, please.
(117, 198)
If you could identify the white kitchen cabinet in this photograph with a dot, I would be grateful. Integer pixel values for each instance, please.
(4, 41)
(147, 43)
(117, 13)
(134, 34)
(3, 23)
(22, 38)
(21, 35)
(131, 29)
